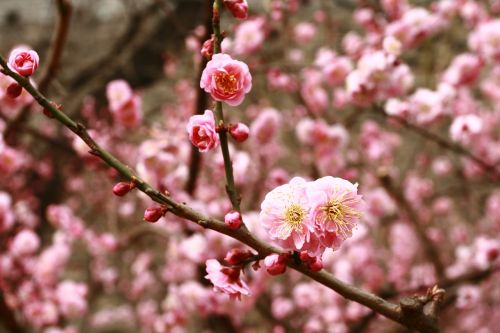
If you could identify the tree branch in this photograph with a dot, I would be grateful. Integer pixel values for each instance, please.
(416, 320)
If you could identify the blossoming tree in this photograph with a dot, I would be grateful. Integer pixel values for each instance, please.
(318, 174)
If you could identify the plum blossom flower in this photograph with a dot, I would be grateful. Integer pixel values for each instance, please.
(24, 243)
(201, 130)
(24, 61)
(226, 280)
(239, 8)
(227, 80)
(465, 127)
(285, 215)
(336, 207)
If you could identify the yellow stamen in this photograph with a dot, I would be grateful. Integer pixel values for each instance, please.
(227, 82)
(337, 211)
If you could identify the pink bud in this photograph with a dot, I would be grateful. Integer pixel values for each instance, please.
(153, 214)
(316, 265)
(207, 50)
(237, 256)
(233, 220)
(239, 132)
(239, 8)
(122, 188)
(24, 61)
(275, 264)
(14, 90)
(232, 273)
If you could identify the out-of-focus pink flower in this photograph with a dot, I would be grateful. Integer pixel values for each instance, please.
(336, 207)
(227, 80)
(249, 36)
(71, 298)
(6, 212)
(304, 32)
(464, 70)
(486, 40)
(24, 243)
(233, 220)
(392, 46)
(264, 128)
(118, 93)
(23, 61)
(465, 127)
(239, 132)
(468, 296)
(14, 90)
(285, 215)
(275, 264)
(337, 70)
(239, 8)
(202, 133)
(226, 280)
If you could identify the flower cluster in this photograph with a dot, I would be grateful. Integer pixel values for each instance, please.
(311, 216)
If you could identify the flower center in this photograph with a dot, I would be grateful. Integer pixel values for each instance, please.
(338, 212)
(294, 214)
(226, 82)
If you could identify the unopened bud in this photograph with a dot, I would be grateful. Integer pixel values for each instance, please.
(207, 50)
(239, 8)
(316, 265)
(239, 131)
(14, 90)
(237, 256)
(122, 188)
(233, 220)
(153, 214)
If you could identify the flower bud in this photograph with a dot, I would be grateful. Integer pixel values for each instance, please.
(233, 220)
(24, 61)
(14, 90)
(239, 8)
(207, 49)
(316, 265)
(232, 273)
(239, 132)
(275, 264)
(237, 256)
(153, 214)
(122, 188)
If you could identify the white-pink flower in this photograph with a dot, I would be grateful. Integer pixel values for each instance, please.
(285, 215)
(201, 130)
(24, 243)
(226, 279)
(336, 208)
(226, 80)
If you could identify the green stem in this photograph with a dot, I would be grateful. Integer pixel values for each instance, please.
(219, 114)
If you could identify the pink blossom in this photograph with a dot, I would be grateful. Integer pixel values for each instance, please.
(239, 8)
(249, 36)
(71, 298)
(468, 296)
(23, 61)
(285, 215)
(226, 280)
(465, 127)
(226, 80)
(337, 70)
(233, 220)
(201, 130)
(130, 114)
(485, 40)
(118, 93)
(26, 242)
(335, 209)
(304, 32)
(265, 127)
(275, 264)
(464, 70)
(239, 132)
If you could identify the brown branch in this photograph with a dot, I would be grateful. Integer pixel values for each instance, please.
(430, 250)
(420, 321)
